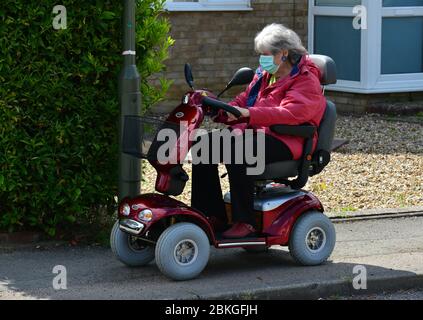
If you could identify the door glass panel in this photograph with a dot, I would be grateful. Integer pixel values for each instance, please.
(336, 38)
(402, 3)
(402, 45)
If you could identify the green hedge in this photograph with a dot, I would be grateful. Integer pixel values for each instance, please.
(59, 107)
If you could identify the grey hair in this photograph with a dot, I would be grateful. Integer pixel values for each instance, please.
(276, 37)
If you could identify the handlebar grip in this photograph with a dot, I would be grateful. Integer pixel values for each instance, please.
(221, 105)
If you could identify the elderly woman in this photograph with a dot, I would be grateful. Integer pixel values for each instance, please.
(286, 90)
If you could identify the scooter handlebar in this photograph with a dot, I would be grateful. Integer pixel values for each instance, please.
(213, 103)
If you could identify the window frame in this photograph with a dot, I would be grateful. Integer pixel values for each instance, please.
(210, 5)
(372, 80)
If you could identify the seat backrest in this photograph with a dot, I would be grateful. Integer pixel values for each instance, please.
(327, 68)
(327, 128)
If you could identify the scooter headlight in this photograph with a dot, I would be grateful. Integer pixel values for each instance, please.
(145, 215)
(125, 209)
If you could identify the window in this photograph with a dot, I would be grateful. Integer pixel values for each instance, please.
(385, 57)
(208, 5)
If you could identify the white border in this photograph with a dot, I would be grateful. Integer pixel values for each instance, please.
(210, 5)
(372, 81)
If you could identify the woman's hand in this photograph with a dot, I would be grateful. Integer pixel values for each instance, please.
(245, 113)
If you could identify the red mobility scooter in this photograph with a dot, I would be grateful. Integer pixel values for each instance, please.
(157, 226)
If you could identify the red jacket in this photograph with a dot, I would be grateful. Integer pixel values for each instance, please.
(293, 100)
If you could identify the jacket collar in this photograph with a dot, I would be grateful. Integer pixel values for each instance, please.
(297, 69)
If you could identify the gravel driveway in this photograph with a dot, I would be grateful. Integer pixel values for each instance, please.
(381, 167)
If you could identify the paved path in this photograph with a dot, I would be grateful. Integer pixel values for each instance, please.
(400, 295)
(390, 249)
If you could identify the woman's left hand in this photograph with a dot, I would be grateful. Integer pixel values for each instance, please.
(245, 113)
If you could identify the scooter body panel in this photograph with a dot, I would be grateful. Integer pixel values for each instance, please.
(188, 117)
(280, 228)
(278, 210)
(277, 223)
(164, 207)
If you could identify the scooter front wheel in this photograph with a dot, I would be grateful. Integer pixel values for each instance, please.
(312, 239)
(182, 251)
(128, 249)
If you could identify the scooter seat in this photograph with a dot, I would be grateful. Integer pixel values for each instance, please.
(279, 170)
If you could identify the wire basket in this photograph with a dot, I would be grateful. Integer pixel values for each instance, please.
(140, 136)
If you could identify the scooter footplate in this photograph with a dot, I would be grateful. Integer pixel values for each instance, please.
(242, 242)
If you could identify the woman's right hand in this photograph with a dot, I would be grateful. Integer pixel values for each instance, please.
(220, 117)
(245, 113)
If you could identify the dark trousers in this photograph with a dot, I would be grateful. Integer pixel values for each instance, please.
(206, 192)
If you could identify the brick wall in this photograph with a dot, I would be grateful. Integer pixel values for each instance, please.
(217, 44)
(361, 103)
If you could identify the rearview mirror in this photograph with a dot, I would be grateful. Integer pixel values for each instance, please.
(188, 76)
(242, 77)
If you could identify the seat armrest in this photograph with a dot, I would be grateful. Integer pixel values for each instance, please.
(304, 131)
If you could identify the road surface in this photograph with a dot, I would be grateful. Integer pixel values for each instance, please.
(389, 249)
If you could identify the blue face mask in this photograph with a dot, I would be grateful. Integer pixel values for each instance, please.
(267, 64)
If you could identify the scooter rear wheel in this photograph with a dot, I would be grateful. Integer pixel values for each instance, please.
(312, 239)
(128, 249)
(182, 251)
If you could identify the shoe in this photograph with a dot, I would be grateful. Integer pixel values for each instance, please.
(239, 230)
(217, 224)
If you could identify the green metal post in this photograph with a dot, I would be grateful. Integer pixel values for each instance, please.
(130, 104)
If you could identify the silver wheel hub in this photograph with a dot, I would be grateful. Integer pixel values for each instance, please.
(186, 252)
(135, 244)
(315, 239)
